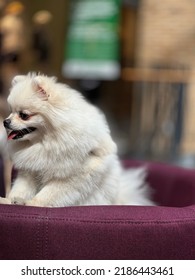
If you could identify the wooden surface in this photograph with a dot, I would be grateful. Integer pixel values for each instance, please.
(157, 75)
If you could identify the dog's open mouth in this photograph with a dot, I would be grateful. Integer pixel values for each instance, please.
(17, 134)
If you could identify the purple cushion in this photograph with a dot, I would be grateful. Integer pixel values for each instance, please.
(172, 185)
(107, 232)
(2, 185)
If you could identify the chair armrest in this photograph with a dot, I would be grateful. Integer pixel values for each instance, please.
(97, 232)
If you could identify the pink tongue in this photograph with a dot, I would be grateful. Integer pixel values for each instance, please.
(12, 135)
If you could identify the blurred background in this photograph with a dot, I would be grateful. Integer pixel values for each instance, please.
(134, 59)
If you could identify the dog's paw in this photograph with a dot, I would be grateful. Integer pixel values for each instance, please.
(18, 201)
(4, 200)
(34, 202)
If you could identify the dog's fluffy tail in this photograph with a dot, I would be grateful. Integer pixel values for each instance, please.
(133, 188)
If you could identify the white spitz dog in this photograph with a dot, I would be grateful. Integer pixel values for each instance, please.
(62, 148)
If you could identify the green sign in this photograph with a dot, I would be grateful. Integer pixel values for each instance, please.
(92, 45)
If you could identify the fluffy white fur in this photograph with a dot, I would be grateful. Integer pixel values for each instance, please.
(70, 159)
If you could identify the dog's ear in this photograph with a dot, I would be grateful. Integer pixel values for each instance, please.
(17, 79)
(38, 87)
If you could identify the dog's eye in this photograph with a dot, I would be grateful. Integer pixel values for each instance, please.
(23, 116)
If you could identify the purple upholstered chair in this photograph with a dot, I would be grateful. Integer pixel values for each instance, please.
(166, 231)
(2, 185)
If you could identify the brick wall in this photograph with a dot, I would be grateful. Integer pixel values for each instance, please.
(166, 37)
(166, 32)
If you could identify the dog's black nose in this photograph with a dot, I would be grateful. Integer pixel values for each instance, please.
(6, 123)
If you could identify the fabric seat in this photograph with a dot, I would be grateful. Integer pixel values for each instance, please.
(166, 231)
